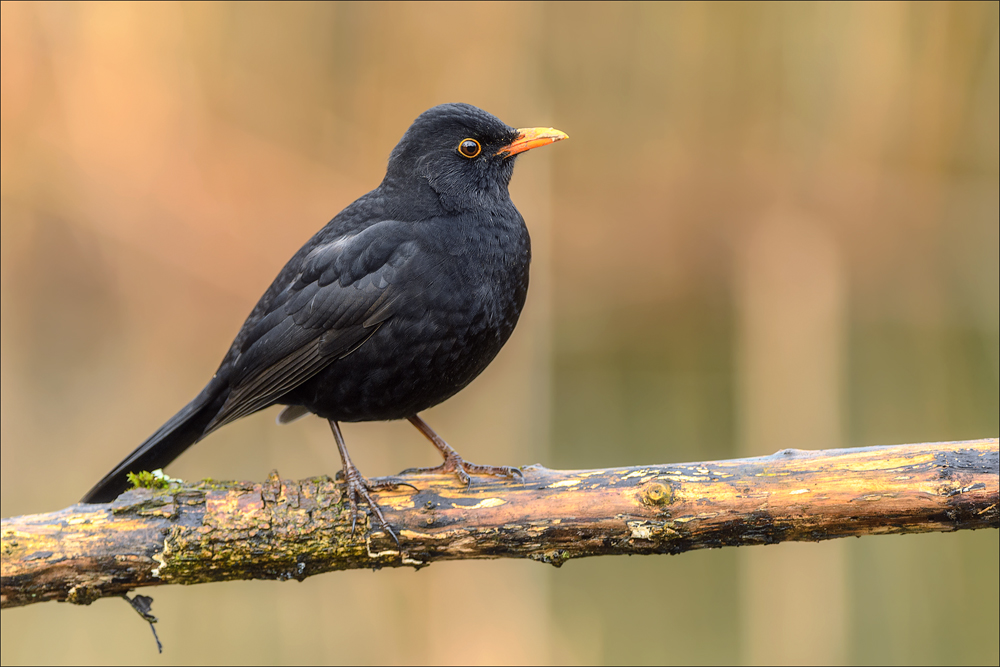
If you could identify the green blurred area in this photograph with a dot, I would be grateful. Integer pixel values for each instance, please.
(774, 225)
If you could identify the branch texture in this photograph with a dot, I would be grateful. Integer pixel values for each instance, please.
(283, 529)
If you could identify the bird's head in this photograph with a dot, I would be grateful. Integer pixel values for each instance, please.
(463, 154)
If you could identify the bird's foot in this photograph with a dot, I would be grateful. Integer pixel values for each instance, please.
(359, 488)
(453, 463)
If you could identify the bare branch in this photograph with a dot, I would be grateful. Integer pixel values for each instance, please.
(282, 529)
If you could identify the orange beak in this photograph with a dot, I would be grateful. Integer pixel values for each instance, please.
(532, 137)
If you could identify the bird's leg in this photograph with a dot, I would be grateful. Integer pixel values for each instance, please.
(358, 487)
(455, 463)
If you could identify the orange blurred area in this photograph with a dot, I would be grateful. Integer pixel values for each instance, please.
(774, 225)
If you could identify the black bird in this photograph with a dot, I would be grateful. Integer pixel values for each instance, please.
(395, 305)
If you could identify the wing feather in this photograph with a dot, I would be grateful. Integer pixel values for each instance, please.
(345, 290)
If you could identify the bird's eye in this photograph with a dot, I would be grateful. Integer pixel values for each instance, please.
(469, 148)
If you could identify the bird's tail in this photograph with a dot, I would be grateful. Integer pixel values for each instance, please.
(182, 430)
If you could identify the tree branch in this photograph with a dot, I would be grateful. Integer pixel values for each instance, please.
(283, 529)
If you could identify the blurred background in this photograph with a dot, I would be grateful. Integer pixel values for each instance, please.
(774, 225)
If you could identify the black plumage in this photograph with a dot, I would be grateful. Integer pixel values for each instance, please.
(394, 306)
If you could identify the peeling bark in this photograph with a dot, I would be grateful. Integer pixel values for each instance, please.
(283, 529)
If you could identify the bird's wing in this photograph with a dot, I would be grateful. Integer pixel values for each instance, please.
(342, 293)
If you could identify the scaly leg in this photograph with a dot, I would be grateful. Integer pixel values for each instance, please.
(455, 463)
(358, 487)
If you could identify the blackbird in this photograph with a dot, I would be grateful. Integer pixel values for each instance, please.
(395, 305)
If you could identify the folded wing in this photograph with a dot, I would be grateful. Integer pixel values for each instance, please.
(345, 290)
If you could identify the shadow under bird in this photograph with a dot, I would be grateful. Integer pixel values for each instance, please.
(394, 306)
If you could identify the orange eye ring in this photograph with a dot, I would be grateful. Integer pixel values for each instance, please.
(469, 148)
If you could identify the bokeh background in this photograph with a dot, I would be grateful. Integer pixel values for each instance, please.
(774, 225)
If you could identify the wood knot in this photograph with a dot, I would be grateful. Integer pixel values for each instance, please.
(656, 493)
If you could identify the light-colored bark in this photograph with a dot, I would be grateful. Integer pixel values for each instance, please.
(283, 529)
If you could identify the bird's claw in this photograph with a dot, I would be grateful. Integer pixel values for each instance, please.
(358, 489)
(389, 483)
(464, 470)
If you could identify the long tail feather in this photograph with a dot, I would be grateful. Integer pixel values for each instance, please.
(180, 432)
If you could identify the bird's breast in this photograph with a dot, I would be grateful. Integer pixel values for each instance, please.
(456, 311)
